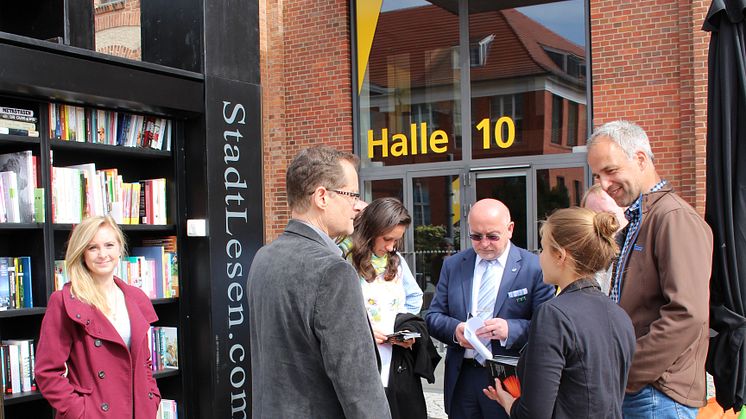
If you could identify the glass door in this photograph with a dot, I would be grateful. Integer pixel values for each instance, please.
(434, 201)
(511, 186)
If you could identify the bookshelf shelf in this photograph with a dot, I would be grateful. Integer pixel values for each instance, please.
(139, 152)
(165, 373)
(18, 312)
(164, 229)
(21, 226)
(28, 396)
(19, 139)
(163, 301)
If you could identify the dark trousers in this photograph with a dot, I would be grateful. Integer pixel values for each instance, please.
(469, 402)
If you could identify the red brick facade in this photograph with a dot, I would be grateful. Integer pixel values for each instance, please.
(306, 85)
(648, 66)
(649, 61)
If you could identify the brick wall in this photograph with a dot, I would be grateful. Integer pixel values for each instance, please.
(649, 66)
(117, 24)
(648, 61)
(306, 89)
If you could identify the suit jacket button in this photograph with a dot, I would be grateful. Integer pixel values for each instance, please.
(77, 316)
(105, 407)
(97, 342)
(150, 394)
(87, 322)
(101, 374)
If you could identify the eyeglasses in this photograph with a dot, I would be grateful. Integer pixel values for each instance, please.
(479, 237)
(355, 195)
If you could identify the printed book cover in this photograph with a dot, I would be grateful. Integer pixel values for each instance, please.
(504, 368)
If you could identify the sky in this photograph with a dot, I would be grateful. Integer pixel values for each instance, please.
(563, 17)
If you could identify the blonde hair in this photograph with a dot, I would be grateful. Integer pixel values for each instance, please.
(594, 189)
(81, 282)
(586, 236)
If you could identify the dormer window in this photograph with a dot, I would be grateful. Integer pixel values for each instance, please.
(571, 64)
(478, 51)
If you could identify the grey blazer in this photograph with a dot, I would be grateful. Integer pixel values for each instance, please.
(312, 351)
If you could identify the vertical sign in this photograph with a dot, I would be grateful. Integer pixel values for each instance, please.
(234, 176)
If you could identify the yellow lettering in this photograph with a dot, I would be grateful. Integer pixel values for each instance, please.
(439, 141)
(423, 137)
(484, 126)
(399, 145)
(383, 143)
(502, 143)
(413, 139)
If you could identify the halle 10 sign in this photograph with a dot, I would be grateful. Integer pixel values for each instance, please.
(417, 141)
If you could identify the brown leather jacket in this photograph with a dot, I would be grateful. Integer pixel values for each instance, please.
(665, 291)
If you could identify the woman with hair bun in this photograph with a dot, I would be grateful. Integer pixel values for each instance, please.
(580, 344)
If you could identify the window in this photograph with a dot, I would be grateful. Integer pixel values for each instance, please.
(478, 51)
(557, 103)
(421, 203)
(572, 124)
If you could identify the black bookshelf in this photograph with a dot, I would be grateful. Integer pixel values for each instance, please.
(45, 241)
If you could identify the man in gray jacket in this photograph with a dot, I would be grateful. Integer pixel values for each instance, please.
(312, 349)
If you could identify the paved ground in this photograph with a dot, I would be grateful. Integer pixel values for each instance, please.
(434, 392)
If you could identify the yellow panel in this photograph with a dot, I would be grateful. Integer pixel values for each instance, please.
(367, 12)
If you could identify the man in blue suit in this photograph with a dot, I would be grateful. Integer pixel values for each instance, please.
(497, 281)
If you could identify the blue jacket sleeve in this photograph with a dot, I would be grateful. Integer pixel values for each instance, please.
(413, 293)
(440, 323)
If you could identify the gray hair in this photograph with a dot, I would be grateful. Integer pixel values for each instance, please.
(629, 136)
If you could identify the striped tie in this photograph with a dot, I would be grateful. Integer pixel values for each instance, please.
(487, 293)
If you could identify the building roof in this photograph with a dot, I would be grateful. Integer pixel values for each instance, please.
(420, 41)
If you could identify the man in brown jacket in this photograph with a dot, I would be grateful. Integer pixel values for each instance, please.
(661, 279)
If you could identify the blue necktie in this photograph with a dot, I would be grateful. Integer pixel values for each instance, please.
(486, 298)
(487, 292)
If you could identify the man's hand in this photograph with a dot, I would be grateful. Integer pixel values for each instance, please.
(460, 336)
(494, 329)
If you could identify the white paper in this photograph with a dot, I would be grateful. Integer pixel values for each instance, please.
(470, 334)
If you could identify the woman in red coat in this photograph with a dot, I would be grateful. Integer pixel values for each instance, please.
(92, 360)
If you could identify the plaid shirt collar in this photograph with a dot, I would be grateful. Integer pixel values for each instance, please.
(634, 211)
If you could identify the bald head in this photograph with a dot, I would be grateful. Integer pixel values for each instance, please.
(489, 208)
(490, 219)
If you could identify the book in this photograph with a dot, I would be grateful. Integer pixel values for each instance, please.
(4, 284)
(11, 117)
(402, 336)
(39, 211)
(23, 265)
(169, 348)
(16, 111)
(18, 131)
(21, 163)
(504, 369)
(12, 123)
(25, 365)
(11, 202)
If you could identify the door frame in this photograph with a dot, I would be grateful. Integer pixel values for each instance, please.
(502, 172)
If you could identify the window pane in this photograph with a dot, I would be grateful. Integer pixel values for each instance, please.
(436, 222)
(393, 188)
(117, 28)
(409, 83)
(552, 191)
(532, 64)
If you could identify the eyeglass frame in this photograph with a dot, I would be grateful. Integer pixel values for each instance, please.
(354, 195)
(478, 237)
